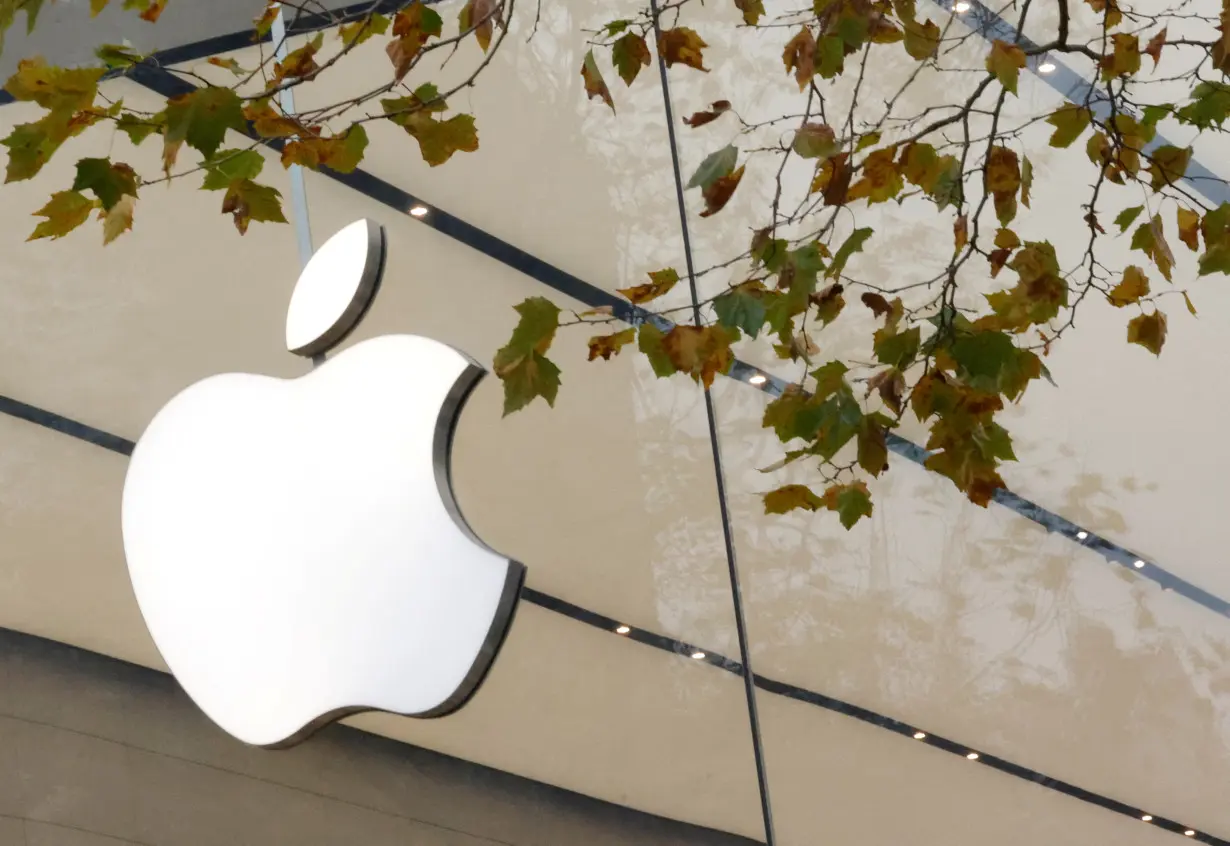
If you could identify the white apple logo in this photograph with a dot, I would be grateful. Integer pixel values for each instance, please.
(294, 545)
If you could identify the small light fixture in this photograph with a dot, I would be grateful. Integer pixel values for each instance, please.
(758, 379)
(418, 211)
(1047, 66)
(1147, 817)
(960, 7)
(973, 756)
(1189, 833)
(920, 735)
(623, 630)
(1138, 564)
(1082, 535)
(698, 655)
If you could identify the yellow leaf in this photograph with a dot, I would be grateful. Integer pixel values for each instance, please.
(800, 57)
(609, 345)
(118, 219)
(1149, 331)
(1006, 61)
(660, 282)
(1189, 228)
(1129, 291)
(682, 46)
(65, 211)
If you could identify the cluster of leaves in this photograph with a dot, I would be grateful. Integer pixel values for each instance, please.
(953, 365)
(207, 116)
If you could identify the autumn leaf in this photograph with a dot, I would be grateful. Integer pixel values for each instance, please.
(852, 502)
(1210, 106)
(247, 201)
(890, 385)
(595, 85)
(227, 166)
(1189, 228)
(1149, 331)
(1154, 48)
(742, 307)
(1124, 58)
(117, 56)
(299, 63)
(799, 57)
(815, 140)
(881, 178)
(438, 139)
(64, 212)
(1006, 61)
(960, 233)
(413, 27)
(521, 364)
(201, 119)
(268, 122)
(359, 31)
(1070, 122)
(341, 153)
(227, 63)
(921, 165)
(1188, 300)
(878, 305)
(853, 244)
(629, 54)
(716, 110)
(829, 303)
(790, 497)
(714, 166)
(263, 22)
(751, 9)
(872, 446)
(1130, 290)
(1216, 231)
(1124, 219)
(1150, 239)
(1027, 180)
(1167, 165)
(1006, 239)
(118, 219)
(1109, 10)
(833, 180)
(481, 16)
(660, 282)
(609, 345)
(719, 192)
(107, 180)
(701, 352)
(1003, 170)
(921, 40)
(682, 46)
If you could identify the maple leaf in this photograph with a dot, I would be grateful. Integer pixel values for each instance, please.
(227, 166)
(790, 497)
(595, 85)
(881, 178)
(1124, 58)
(117, 56)
(1168, 164)
(247, 201)
(1216, 231)
(751, 9)
(341, 153)
(1111, 15)
(682, 46)
(1006, 239)
(227, 64)
(629, 54)
(201, 119)
(701, 352)
(1150, 240)
(852, 502)
(109, 181)
(829, 303)
(268, 122)
(890, 385)
(299, 63)
(413, 27)
(438, 139)
(921, 40)
(1149, 331)
(833, 179)
(1154, 47)
(716, 110)
(815, 140)
(521, 364)
(1006, 61)
(660, 282)
(263, 22)
(718, 193)
(609, 345)
(1130, 290)
(1124, 219)
(799, 57)
(921, 165)
(150, 10)
(1189, 228)
(742, 307)
(1210, 106)
(481, 16)
(853, 244)
(64, 212)
(118, 219)
(1070, 122)
(359, 31)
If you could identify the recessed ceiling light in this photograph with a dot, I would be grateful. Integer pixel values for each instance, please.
(1147, 817)
(960, 6)
(418, 211)
(1189, 833)
(920, 735)
(1138, 564)
(1046, 67)
(698, 655)
(622, 630)
(973, 756)
(1082, 535)
(758, 379)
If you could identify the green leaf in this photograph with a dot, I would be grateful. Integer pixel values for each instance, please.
(64, 212)
(1069, 122)
(629, 54)
(714, 167)
(247, 201)
(521, 364)
(921, 40)
(1149, 331)
(138, 129)
(793, 415)
(852, 502)
(108, 181)
(117, 56)
(1210, 106)
(989, 362)
(1168, 165)
(900, 349)
(1006, 61)
(1125, 218)
(226, 166)
(201, 119)
(650, 342)
(438, 139)
(742, 307)
(852, 245)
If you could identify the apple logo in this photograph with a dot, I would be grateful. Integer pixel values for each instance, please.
(294, 545)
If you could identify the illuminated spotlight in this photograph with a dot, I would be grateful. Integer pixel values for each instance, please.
(1046, 67)
(418, 211)
(1189, 833)
(623, 630)
(960, 7)
(698, 655)
(1147, 817)
(1138, 564)
(973, 756)
(920, 735)
(758, 379)
(1082, 535)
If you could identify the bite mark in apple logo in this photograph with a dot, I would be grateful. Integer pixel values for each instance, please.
(294, 544)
